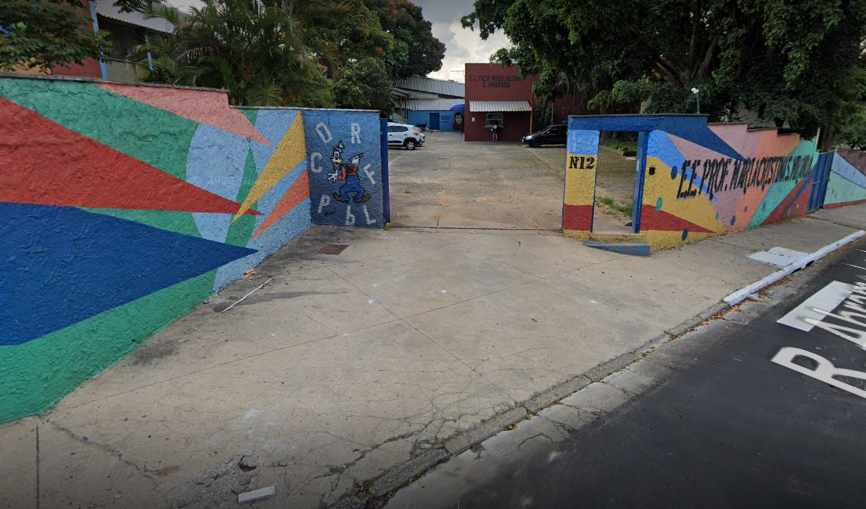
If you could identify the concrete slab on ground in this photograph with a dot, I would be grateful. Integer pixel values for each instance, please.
(448, 183)
(354, 366)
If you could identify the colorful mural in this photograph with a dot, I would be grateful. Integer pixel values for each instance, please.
(124, 206)
(698, 181)
(847, 182)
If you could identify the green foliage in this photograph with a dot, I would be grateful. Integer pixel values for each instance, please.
(365, 85)
(610, 203)
(259, 53)
(415, 51)
(46, 33)
(788, 61)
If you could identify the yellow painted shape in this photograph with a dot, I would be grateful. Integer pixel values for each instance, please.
(697, 210)
(580, 184)
(577, 234)
(291, 151)
(658, 239)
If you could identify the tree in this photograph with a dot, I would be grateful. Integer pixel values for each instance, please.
(365, 85)
(786, 61)
(259, 53)
(415, 51)
(45, 33)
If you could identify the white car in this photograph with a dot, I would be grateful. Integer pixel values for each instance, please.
(408, 136)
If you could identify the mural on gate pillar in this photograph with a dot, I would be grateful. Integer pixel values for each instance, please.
(345, 168)
(847, 181)
(124, 206)
(581, 166)
(700, 180)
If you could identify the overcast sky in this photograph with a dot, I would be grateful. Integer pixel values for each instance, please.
(461, 45)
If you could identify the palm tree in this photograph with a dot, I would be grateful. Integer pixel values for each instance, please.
(260, 53)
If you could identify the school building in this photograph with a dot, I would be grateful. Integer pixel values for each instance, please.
(497, 95)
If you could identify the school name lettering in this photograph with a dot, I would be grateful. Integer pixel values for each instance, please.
(717, 175)
(493, 80)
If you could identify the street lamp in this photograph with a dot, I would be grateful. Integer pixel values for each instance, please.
(697, 97)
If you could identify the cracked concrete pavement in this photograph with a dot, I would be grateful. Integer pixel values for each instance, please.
(349, 374)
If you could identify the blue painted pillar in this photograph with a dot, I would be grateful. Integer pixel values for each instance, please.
(386, 189)
(639, 176)
(102, 68)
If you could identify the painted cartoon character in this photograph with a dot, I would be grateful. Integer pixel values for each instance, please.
(349, 174)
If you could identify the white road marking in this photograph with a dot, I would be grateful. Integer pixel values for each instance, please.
(824, 372)
(827, 298)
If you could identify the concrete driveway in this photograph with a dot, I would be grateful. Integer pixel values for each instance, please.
(350, 372)
(449, 183)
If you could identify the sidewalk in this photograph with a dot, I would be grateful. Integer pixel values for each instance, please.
(348, 373)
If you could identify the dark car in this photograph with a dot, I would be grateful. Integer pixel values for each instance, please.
(550, 135)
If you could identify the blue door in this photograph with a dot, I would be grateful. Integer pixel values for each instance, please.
(820, 176)
(434, 121)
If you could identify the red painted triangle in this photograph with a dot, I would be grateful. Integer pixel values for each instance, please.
(299, 192)
(202, 106)
(652, 219)
(47, 164)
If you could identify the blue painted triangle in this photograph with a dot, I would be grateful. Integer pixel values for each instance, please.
(61, 265)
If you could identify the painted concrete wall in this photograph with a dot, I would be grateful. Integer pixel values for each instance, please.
(345, 167)
(123, 206)
(697, 189)
(446, 119)
(847, 182)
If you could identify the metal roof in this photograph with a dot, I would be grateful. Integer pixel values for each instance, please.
(106, 8)
(414, 94)
(432, 104)
(498, 106)
(432, 86)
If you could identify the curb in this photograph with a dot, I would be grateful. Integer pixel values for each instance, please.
(744, 293)
(459, 443)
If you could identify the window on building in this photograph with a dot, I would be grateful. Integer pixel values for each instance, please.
(493, 119)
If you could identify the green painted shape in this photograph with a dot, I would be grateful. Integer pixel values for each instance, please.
(659, 204)
(241, 230)
(154, 136)
(842, 190)
(252, 115)
(778, 191)
(178, 222)
(35, 375)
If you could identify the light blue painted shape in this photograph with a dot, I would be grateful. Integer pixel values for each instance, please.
(848, 171)
(273, 125)
(583, 142)
(660, 146)
(215, 162)
(842, 190)
(279, 234)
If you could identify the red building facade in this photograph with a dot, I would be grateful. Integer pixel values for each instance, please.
(496, 94)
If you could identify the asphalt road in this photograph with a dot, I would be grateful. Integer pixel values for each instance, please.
(733, 430)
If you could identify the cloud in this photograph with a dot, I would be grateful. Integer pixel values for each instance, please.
(464, 46)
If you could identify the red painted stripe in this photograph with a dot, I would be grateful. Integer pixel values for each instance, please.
(299, 192)
(45, 163)
(576, 217)
(652, 219)
(843, 204)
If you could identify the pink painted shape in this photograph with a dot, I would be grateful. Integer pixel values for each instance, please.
(202, 106)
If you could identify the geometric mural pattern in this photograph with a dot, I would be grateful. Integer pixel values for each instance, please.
(122, 207)
(693, 191)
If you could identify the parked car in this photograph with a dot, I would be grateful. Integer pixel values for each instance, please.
(550, 135)
(406, 135)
